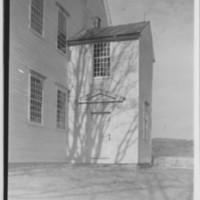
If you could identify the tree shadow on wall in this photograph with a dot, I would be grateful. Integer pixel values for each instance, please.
(89, 124)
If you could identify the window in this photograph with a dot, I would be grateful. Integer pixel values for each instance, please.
(62, 31)
(36, 89)
(101, 59)
(146, 120)
(37, 9)
(61, 109)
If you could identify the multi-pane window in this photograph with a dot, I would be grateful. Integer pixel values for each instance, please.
(101, 59)
(62, 31)
(37, 12)
(36, 89)
(61, 109)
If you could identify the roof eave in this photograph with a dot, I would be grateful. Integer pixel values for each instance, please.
(103, 39)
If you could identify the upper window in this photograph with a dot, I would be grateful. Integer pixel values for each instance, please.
(36, 90)
(37, 14)
(101, 59)
(61, 109)
(62, 31)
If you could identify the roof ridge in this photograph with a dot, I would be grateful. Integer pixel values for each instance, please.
(130, 24)
(147, 22)
(122, 31)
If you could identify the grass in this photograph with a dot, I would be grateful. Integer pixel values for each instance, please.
(97, 182)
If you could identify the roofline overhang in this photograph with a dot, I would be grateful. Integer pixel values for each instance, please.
(104, 39)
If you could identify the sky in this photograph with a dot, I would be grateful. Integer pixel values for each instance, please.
(172, 30)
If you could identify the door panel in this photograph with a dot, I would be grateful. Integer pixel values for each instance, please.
(101, 122)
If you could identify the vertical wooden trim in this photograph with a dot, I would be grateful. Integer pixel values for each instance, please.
(5, 98)
(29, 95)
(43, 19)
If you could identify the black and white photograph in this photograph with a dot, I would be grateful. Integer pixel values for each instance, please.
(100, 100)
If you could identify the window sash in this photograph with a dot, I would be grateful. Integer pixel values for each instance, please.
(61, 109)
(36, 97)
(62, 31)
(37, 9)
(101, 59)
(38, 4)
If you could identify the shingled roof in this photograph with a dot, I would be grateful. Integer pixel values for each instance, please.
(110, 33)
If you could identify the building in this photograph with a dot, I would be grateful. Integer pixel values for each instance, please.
(109, 105)
(38, 72)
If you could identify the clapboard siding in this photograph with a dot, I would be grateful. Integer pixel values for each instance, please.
(145, 90)
(29, 142)
(124, 80)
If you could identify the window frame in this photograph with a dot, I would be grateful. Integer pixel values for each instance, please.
(30, 19)
(146, 119)
(66, 15)
(99, 59)
(41, 78)
(59, 127)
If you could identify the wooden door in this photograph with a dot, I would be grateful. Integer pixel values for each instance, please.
(101, 122)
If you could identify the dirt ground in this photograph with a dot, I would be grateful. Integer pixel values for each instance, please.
(98, 182)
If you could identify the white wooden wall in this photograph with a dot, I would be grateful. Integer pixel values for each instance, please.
(122, 124)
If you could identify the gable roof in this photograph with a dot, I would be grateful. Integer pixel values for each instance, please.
(110, 33)
(100, 97)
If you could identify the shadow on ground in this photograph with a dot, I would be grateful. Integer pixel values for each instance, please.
(95, 182)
